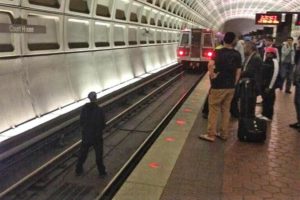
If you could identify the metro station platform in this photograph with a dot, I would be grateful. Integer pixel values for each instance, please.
(179, 166)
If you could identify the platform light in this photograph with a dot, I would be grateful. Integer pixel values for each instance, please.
(187, 110)
(78, 21)
(154, 165)
(136, 4)
(170, 139)
(102, 24)
(119, 25)
(180, 122)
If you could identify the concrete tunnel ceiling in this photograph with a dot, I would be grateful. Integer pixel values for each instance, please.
(220, 11)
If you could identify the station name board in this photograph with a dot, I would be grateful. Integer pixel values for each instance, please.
(268, 19)
(298, 20)
(20, 28)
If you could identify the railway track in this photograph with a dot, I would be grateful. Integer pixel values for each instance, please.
(44, 174)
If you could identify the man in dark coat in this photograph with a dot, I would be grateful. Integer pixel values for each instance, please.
(297, 86)
(92, 122)
(252, 68)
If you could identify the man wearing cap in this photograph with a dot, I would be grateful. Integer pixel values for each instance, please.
(92, 122)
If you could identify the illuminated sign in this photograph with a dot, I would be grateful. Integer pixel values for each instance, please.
(20, 28)
(298, 20)
(268, 19)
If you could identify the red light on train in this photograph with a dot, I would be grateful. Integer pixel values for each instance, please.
(183, 52)
(208, 53)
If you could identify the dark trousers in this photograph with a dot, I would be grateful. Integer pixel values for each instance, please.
(268, 103)
(286, 73)
(205, 107)
(84, 150)
(297, 100)
(234, 107)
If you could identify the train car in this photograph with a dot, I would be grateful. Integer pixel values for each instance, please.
(196, 48)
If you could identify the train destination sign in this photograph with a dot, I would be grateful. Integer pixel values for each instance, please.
(268, 19)
(20, 28)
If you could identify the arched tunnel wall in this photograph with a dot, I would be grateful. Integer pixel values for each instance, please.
(88, 45)
(240, 26)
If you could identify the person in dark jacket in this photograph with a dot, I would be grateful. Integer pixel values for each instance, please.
(251, 69)
(270, 72)
(92, 122)
(297, 86)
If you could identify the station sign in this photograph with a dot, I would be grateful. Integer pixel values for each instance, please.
(267, 19)
(298, 20)
(20, 28)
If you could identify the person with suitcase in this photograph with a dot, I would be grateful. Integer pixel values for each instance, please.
(92, 122)
(224, 71)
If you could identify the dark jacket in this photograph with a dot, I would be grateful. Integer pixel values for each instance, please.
(297, 68)
(92, 122)
(297, 56)
(270, 74)
(253, 70)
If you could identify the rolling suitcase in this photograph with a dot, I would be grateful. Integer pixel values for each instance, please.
(250, 129)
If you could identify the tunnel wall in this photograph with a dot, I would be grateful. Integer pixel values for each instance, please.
(241, 26)
(82, 50)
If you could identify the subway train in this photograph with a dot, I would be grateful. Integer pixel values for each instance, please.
(196, 47)
(53, 52)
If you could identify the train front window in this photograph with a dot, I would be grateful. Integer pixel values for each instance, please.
(207, 41)
(184, 39)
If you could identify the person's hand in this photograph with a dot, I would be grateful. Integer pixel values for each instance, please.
(213, 75)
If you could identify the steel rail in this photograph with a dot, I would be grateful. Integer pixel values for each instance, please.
(35, 175)
(68, 122)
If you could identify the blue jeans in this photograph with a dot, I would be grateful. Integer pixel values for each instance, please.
(297, 100)
(286, 72)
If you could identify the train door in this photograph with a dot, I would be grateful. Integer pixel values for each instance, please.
(196, 43)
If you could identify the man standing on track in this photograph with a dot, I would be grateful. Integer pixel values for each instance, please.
(224, 71)
(92, 122)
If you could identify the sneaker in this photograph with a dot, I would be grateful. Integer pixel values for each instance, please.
(207, 138)
(295, 125)
(221, 137)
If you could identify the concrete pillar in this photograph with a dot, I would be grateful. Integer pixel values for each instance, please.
(284, 29)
